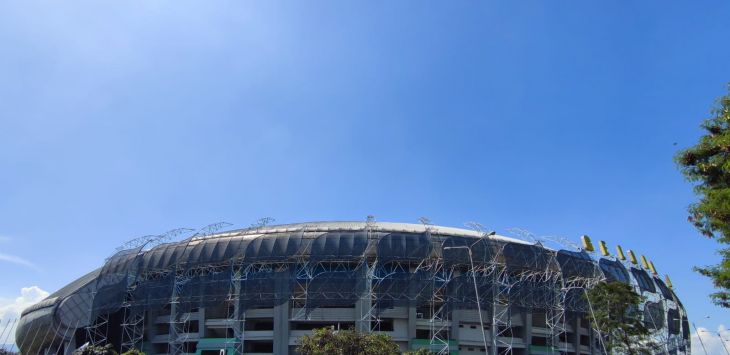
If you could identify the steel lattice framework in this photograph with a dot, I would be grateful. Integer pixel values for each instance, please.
(369, 266)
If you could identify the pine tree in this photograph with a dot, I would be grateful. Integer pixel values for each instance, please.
(708, 165)
(615, 307)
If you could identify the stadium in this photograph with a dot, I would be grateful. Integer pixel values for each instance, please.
(258, 290)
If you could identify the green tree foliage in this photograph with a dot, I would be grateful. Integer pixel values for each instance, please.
(326, 341)
(708, 165)
(133, 352)
(615, 307)
(107, 349)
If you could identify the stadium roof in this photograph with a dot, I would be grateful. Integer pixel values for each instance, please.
(358, 226)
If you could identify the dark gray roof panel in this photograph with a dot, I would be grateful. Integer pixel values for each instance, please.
(455, 250)
(154, 259)
(666, 292)
(643, 279)
(274, 247)
(214, 251)
(613, 270)
(519, 256)
(654, 315)
(576, 264)
(404, 246)
(339, 246)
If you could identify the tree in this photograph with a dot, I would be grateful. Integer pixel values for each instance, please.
(133, 352)
(6, 352)
(107, 349)
(326, 341)
(615, 307)
(708, 165)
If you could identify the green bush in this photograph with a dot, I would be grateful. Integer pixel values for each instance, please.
(107, 349)
(326, 341)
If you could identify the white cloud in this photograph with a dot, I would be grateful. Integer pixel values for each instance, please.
(713, 340)
(18, 261)
(10, 308)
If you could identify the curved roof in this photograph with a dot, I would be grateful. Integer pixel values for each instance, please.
(358, 226)
(99, 291)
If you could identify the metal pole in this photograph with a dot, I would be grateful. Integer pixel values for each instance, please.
(722, 341)
(476, 292)
(700, 338)
(595, 324)
(20, 346)
(479, 307)
(7, 336)
(64, 338)
(3, 332)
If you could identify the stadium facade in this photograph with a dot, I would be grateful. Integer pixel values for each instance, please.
(258, 290)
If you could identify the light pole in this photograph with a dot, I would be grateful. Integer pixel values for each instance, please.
(722, 341)
(476, 292)
(700, 338)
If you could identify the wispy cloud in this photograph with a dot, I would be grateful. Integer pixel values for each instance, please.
(18, 261)
(10, 309)
(712, 340)
(4, 239)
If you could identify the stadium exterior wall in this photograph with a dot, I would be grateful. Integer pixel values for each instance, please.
(258, 290)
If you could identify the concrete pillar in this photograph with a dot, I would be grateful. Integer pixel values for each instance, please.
(591, 337)
(576, 332)
(527, 321)
(281, 329)
(281, 312)
(411, 325)
(455, 320)
(201, 322)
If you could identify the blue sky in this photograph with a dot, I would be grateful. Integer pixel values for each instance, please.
(119, 120)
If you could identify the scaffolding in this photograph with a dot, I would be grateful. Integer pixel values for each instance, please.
(366, 267)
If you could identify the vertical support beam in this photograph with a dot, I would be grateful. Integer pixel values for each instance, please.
(133, 321)
(281, 310)
(364, 301)
(412, 318)
(495, 317)
(179, 313)
(172, 342)
(281, 328)
(237, 318)
(149, 328)
(455, 320)
(592, 337)
(201, 323)
(576, 331)
(527, 321)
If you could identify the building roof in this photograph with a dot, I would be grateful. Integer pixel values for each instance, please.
(327, 226)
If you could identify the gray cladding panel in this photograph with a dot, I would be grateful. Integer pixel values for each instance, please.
(274, 247)
(404, 246)
(339, 246)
